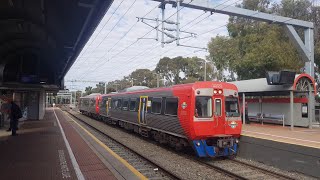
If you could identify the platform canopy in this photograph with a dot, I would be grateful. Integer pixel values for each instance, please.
(260, 87)
(40, 39)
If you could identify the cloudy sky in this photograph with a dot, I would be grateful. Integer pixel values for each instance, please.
(114, 50)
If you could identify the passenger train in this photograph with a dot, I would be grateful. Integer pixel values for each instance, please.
(203, 115)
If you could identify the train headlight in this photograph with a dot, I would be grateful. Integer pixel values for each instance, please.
(220, 91)
(237, 141)
(198, 143)
(215, 92)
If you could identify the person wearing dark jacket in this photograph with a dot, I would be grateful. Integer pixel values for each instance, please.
(15, 114)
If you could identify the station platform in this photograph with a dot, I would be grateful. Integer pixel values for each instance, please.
(297, 136)
(293, 150)
(56, 148)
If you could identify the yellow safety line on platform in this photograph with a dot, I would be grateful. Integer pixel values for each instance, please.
(281, 141)
(131, 168)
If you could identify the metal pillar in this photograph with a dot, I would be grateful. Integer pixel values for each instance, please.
(291, 109)
(70, 99)
(205, 70)
(243, 108)
(178, 22)
(260, 104)
(311, 106)
(105, 88)
(309, 45)
(163, 6)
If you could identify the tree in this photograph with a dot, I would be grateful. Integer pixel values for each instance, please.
(143, 77)
(180, 70)
(88, 90)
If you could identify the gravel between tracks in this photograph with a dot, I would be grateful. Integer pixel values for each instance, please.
(182, 166)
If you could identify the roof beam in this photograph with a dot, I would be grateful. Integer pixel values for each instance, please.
(235, 11)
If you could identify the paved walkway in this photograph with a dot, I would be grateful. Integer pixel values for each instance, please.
(40, 152)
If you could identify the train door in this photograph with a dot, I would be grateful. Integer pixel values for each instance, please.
(218, 111)
(108, 107)
(143, 110)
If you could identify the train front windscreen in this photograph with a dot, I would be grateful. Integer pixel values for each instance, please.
(232, 107)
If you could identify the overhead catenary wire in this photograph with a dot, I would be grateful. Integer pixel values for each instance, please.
(127, 33)
(171, 49)
(212, 13)
(117, 22)
(97, 67)
(197, 23)
(140, 54)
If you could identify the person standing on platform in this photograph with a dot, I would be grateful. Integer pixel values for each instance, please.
(15, 115)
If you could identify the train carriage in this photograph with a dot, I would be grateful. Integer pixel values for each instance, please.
(90, 105)
(203, 115)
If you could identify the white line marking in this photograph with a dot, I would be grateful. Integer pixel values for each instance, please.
(282, 137)
(73, 159)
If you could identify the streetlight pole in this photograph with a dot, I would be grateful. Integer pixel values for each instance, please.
(205, 70)
(105, 87)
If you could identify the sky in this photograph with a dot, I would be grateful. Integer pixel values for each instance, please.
(115, 50)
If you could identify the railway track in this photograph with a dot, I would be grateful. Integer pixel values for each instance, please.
(148, 168)
(233, 168)
(242, 170)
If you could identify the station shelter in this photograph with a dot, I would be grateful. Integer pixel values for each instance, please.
(289, 104)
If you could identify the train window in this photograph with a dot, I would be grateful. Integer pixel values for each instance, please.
(114, 103)
(92, 101)
(125, 105)
(102, 103)
(171, 106)
(203, 107)
(232, 109)
(218, 107)
(119, 104)
(156, 105)
(132, 105)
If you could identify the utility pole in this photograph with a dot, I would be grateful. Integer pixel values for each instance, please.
(105, 87)
(163, 6)
(158, 80)
(178, 23)
(131, 82)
